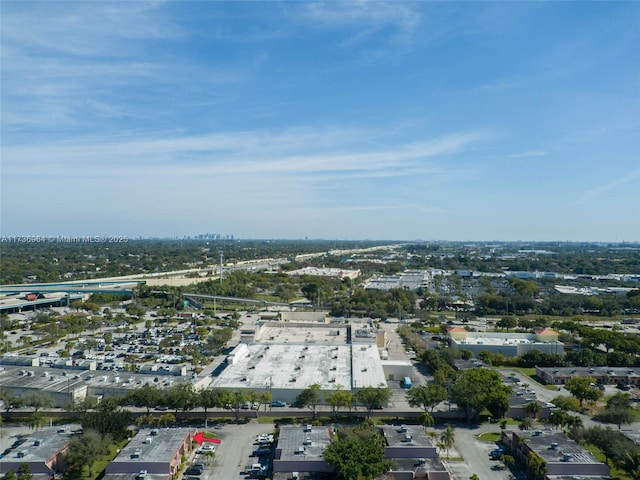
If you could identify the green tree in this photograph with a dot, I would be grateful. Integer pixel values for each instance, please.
(536, 465)
(630, 464)
(532, 409)
(478, 388)
(233, 400)
(37, 420)
(109, 420)
(24, 472)
(357, 453)
(181, 397)
(583, 388)
(426, 396)
(507, 323)
(309, 397)
(38, 400)
(526, 424)
(210, 398)
(147, 396)
(567, 403)
(448, 438)
(339, 398)
(373, 397)
(86, 448)
(618, 410)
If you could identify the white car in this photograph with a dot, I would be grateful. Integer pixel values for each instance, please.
(207, 447)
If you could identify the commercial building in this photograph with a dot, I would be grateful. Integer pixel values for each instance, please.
(559, 455)
(287, 369)
(66, 382)
(604, 375)
(508, 344)
(41, 451)
(287, 357)
(413, 280)
(325, 272)
(301, 449)
(153, 454)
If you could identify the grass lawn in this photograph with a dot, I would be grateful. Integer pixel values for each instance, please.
(101, 464)
(489, 437)
(615, 472)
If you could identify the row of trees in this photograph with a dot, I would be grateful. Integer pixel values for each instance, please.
(370, 397)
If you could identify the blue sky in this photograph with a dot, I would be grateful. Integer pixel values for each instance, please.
(350, 120)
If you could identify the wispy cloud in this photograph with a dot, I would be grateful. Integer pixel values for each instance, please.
(290, 153)
(602, 189)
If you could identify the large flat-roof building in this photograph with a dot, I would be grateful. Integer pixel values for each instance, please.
(287, 369)
(287, 357)
(67, 383)
(507, 344)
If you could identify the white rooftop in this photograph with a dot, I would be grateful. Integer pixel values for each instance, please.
(296, 366)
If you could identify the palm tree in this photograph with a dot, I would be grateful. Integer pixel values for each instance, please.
(574, 422)
(525, 424)
(448, 438)
(537, 466)
(37, 420)
(532, 408)
(507, 460)
(426, 419)
(631, 464)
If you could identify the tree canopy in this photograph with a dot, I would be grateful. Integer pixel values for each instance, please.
(357, 453)
(479, 388)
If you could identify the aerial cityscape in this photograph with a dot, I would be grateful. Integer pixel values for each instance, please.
(354, 240)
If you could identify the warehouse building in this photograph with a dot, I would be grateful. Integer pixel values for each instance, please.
(286, 359)
(508, 344)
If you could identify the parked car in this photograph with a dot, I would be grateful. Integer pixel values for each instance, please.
(195, 470)
(260, 452)
(207, 447)
(278, 403)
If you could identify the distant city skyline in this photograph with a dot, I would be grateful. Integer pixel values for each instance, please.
(485, 121)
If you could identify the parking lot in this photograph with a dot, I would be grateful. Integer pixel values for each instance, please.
(233, 453)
